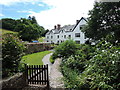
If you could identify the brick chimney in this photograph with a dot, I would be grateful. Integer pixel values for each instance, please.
(55, 27)
(77, 21)
(58, 26)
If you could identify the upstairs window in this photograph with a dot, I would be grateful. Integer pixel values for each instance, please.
(69, 36)
(64, 36)
(51, 37)
(80, 27)
(77, 34)
(58, 36)
(47, 37)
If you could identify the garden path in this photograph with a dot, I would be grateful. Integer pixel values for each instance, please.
(47, 61)
(55, 75)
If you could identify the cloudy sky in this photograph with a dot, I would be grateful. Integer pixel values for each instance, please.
(47, 12)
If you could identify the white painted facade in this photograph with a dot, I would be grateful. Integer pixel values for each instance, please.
(60, 34)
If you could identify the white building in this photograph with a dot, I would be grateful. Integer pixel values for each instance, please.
(60, 34)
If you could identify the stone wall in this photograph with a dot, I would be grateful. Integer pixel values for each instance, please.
(37, 47)
(15, 82)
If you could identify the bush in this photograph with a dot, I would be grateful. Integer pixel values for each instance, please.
(65, 49)
(12, 51)
(93, 67)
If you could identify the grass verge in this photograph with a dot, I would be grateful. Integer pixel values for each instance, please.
(35, 58)
(51, 60)
(7, 31)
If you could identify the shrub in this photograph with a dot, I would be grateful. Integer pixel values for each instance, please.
(93, 67)
(12, 51)
(65, 49)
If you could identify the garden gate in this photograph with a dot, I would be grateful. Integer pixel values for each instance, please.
(37, 74)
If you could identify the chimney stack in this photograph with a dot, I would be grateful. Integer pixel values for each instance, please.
(77, 21)
(58, 26)
(55, 27)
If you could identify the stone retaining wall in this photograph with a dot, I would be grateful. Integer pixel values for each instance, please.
(16, 82)
(37, 47)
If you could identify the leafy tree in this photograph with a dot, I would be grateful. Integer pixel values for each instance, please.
(34, 21)
(29, 32)
(12, 51)
(8, 23)
(104, 20)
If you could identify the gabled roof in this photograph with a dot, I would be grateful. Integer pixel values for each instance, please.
(79, 22)
(66, 28)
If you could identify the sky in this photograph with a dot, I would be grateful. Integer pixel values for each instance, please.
(47, 12)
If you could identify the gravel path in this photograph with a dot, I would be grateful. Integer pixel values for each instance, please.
(46, 61)
(55, 75)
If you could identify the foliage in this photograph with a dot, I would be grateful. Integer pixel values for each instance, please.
(29, 32)
(28, 28)
(35, 58)
(65, 49)
(104, 20)
(101, 71)
(8, 23)
(52, 60)
(41, 39)
(12, 51)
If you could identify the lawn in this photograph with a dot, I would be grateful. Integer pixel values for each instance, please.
(7, 31)
(35, 58)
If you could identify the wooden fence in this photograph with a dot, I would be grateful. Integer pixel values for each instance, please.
(37, 74)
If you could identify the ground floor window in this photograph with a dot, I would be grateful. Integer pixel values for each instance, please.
(47, 41)
(58, 42)
(78, 42)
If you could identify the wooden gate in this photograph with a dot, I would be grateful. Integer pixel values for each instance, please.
(37, 74)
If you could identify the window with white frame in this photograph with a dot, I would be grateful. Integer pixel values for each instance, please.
(64, 36)
(51, 37)
(77, 34)
(69, 36)
(78, 42)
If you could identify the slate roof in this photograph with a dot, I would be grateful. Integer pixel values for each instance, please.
(66, 28)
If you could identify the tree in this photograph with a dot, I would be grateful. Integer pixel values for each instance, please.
(8, 23)
(29, 32)
(104, 20)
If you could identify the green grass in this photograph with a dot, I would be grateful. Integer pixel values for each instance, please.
(35, 58)
(41, 39)
(7, 31)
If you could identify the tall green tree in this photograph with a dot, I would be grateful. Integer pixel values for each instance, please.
(104, 20)
(29, 32)
(8, 23)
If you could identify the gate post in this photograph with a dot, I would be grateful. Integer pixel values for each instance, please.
(26, 74)
(47, 78)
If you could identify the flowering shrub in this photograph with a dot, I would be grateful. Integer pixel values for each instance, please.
(93, 67)
(65, 49)
(12, 51)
